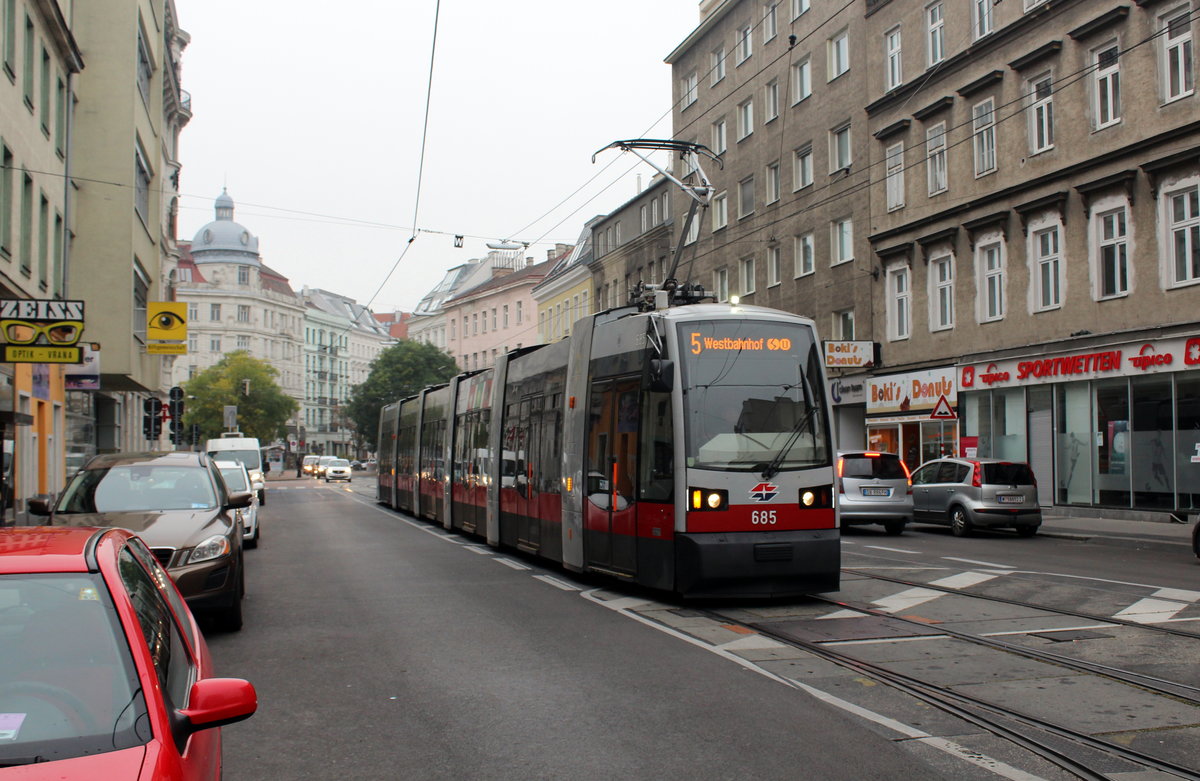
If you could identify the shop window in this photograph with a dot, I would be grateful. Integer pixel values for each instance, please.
(1187, 440)
(1112, 443)
(1073, 451)
(1153, 426)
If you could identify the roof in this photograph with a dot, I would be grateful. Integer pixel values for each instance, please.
(44, 548)
(156, 457)
(528, 274)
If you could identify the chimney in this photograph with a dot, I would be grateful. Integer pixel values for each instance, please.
(529, 260)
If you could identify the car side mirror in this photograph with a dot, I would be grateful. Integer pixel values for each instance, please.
(215, 702)
(239, 499)
(39, 506)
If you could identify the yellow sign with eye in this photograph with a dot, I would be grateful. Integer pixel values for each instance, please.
(166, 320)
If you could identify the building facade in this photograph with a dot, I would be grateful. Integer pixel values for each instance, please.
(1036, 232)
(565, 295)
(41, 60)
(632, 244)
(486, 321)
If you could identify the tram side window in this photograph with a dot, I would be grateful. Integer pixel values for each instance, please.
(656, 461)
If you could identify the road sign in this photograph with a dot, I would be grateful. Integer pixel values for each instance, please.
(942, 410)
(166, 320)
(230, 416)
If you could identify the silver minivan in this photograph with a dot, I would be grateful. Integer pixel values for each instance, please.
(874, 488)
(967, 492)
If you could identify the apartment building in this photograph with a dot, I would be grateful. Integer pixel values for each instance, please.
(39, 59)
(1035, 241)
(565, 295)
(488, 320)
(633, 243)
(776, 89)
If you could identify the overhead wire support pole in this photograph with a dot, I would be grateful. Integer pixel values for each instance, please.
(700, 191)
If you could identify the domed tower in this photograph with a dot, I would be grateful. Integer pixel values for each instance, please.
(223, 240)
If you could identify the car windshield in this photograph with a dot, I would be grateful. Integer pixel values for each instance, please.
(251, 459)
(67, 685)
(138, 488)
(235, 479)
(339, 462)
(753, 395)
(866, 467)
(1007, 474)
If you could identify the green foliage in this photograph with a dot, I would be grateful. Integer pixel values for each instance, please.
(400, 370)
(262, 413)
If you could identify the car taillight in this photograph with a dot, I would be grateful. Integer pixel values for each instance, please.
(841, 466)
(976, 474)
(907, 474)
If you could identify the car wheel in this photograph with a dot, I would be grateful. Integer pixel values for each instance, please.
(959, 523)
(894, 527)
(1027, 531)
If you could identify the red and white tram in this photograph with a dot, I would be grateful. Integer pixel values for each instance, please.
(686, 449)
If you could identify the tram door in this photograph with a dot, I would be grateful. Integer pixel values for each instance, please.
(610, 522)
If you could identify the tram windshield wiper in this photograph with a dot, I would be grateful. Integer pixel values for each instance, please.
(801, 426)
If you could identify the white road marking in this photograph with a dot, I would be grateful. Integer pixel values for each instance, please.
(482, 550)
(980, 563)
(892, 550)
(1180, 594)
(964, 580)
(559, 584)
(1151, 611)
(1044, 631)
(513, 564)
(910, 598)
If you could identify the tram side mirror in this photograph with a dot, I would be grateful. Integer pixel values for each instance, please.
(662, 375)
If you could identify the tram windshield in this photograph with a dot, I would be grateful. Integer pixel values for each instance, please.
(753, 396)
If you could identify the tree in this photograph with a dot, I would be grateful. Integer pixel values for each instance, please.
(400, 370)
(238, 379)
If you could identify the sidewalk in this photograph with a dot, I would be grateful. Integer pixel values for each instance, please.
(1107, 531)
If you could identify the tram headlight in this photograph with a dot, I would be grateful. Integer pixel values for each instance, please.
(817, 496)
(807, 498)
(709, 499)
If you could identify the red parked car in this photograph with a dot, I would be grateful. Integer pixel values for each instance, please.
(105, 673)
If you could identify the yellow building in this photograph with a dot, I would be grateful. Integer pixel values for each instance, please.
(565, 294)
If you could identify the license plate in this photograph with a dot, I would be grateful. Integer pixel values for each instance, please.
(877, 492)
(1011, 499)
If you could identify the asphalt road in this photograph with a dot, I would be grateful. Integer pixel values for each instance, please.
(381, 650)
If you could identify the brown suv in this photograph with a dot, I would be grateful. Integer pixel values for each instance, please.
(178, 504)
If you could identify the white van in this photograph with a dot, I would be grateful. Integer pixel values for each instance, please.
(232, 446)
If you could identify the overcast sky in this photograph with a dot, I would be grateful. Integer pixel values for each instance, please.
(311, 114)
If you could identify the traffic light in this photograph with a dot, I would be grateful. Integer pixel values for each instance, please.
(152, 420)
(176, 408)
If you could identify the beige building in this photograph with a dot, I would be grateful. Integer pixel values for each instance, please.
(124, 170)
(1035, 234)
(565, 295)
(40, 59)
(633, 243)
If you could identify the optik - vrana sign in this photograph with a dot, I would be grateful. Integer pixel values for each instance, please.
(41, 330)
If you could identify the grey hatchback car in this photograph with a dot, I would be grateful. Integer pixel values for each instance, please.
(874, 488)
(968, 492)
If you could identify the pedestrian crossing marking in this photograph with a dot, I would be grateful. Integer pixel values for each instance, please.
(1151, 611)
(910, 598)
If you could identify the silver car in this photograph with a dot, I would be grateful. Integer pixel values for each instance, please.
(968, 492)
(238, 479)
(874, 488)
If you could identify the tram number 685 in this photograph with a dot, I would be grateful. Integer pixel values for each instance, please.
(762, 517)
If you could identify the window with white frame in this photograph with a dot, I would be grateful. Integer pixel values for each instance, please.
(243, 313)
(981, 18)
(935, 158)
(843, 324)
(653, 212)
(1047, 258)
(1178, 80)
(770, 22)
(719, 133)
(935, 33)
(214, 344)
(841, 241)
(805, 255)
(899, 303)
(1112, 254)
(214, 312)
(772, 182)
(746, 197)
(243, 342)
(717, 66)
(799, 7)
(689, 89)
(802, 167)
(720, 211)
(839, 54)
(745, 119)
(839, 148)
(771, 99)
(721, 284)
(893, 71)
(983, 116)
(694, 228)
(774, 259)
(894, 157)
(645, 217)
(745, 43)
(1185, 235)
(746, 265)
(1107, 97)
(941, 294)
(991, 270)
(1041, 114)
(801, 80)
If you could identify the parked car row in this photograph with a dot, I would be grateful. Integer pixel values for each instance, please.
(962, 493)
(106, 673)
